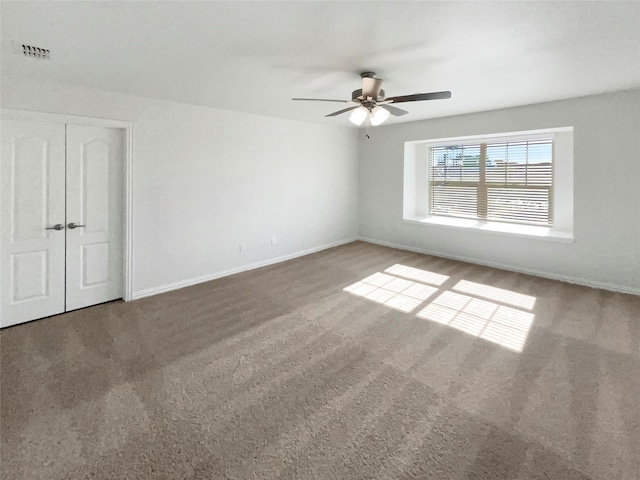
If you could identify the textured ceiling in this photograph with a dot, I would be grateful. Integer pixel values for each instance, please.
(254, 56)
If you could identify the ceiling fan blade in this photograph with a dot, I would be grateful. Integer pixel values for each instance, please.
(398, 112)
(321, 100)
(371, 87)
(417, 97)
(342, 111)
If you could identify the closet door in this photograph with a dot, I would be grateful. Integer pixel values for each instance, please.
(32, 219)
(94, 215)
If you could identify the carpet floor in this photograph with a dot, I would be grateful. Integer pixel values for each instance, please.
(358, 362)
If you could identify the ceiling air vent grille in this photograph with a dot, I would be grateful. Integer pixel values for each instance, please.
(35, 52)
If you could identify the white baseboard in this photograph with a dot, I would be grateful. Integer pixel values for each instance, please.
(206, 278)
(563, 278)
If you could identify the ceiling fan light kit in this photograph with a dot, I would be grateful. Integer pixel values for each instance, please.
(358, 115)
(378, 115)
(371, 103)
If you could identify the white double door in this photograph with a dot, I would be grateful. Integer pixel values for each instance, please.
(60, 218)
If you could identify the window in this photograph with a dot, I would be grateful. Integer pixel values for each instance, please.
(508, 181)
(518, 183)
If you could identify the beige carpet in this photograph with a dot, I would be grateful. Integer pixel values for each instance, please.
(414, 372)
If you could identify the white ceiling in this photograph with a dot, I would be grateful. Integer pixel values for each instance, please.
(254, 56)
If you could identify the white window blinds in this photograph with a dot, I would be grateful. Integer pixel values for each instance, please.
(510, 181)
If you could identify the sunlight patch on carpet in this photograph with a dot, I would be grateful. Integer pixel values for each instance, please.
(397, 293)
(417, 274)
(515, 299)
(490, 321)
(493, 314)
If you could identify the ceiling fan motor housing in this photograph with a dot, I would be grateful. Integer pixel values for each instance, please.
(357, 95)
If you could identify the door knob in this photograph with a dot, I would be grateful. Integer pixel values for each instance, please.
(57, 226)
(73, 225)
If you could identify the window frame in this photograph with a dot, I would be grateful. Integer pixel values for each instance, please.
(483, 183)
(416, 191)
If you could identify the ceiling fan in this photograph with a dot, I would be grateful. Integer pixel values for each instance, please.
(370, 102)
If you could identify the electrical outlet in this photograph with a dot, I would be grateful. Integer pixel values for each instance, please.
(274, 241)
(242, 247)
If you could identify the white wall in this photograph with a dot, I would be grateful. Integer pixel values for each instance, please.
(606, 251)
(205, 180)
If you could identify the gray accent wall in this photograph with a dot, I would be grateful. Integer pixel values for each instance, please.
(606, 250)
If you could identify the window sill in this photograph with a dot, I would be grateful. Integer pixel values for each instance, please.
(509, 229)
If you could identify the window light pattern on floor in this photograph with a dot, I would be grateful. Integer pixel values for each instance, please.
(519, 300)
(394, 292)
(417, 274)
(491, 317)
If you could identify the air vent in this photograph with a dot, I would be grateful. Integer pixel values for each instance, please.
(35, 52)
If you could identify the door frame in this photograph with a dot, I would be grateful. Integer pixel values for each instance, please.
(127, 217)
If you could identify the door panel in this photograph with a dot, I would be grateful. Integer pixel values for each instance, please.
(94, 201)
(32, 194)
(29, 275)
